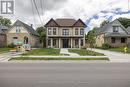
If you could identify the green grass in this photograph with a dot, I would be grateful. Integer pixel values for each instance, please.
(121, 49)
(29, 58)
(84, 52)
(43, 51)
(4, 50)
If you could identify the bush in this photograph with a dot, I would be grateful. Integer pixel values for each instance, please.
(105, 46)
(11, 45)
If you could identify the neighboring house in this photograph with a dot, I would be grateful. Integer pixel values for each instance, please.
(22, 33)
(3, 30)
(65, 33)
(113, 33)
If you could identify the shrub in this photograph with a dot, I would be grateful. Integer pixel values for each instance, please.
(11, 45)
(105, 46)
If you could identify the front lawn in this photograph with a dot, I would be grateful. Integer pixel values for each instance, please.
(84, 52)
(43, 51)
(29, 58)
(4, 50)
(121, 49)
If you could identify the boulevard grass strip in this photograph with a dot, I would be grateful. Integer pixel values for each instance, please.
(84, 52)
(29, 58)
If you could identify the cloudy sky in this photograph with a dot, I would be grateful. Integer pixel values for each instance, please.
(92, 12)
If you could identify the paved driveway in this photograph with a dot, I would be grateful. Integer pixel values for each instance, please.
(6, 56)
(114, 56)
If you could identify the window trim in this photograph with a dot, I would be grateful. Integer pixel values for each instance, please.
(76, 31)
(115, 28)
(81, 31)
(54, 32)
(49, 31)
(65, 32)
(113, 40)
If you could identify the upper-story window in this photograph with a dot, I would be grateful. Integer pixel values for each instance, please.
(49, 31)
(76, 31)
(54, 31)
(81, 31)
(65, 32)
(115, 28)
(18, 30)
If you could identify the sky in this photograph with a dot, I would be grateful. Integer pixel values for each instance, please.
(92, 12)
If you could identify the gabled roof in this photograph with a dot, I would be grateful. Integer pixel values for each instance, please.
(3, 28)
(65, 22)
(113, 23)
(29, 28)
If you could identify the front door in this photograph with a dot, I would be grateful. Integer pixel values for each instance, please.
(65, 43)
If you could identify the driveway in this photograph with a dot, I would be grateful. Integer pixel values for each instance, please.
(6, 56)
(114, 56)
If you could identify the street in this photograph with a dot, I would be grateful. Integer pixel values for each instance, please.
(41, 74)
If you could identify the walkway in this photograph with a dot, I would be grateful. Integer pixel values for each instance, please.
(114, 56)
(64, 51)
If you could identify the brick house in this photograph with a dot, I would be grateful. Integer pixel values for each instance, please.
(23, 33)
(65, 33)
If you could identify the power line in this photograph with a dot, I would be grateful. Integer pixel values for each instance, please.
(33, 14)
(37, 11)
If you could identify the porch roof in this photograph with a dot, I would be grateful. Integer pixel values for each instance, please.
(117, 35)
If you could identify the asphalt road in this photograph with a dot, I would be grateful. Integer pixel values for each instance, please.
(64, 75)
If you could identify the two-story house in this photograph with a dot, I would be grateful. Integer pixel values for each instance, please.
(113, 33)
(65, 33)
(22, 33)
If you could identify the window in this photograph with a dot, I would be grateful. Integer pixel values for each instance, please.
(76, 31)
(113, 40)
(18, 30)
(54, 31)
(54, 42)
(65, 32)
(82, 42)
(123, 40)
(49, 42)
(115, 28)
(81, 31)
(76, 42)
(49, 31)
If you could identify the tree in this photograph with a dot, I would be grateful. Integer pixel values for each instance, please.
(42, 32)
(104, 23)
(91, 37)
(5, 21)
(125, 22)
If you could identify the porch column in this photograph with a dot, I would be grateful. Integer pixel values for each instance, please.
(79, 43)
(71, 43)
(59, 42)
(51, 43)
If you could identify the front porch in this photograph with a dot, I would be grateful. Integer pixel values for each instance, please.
(118, 41)
(65, 42)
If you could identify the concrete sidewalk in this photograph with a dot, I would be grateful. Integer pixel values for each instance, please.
(113, 56)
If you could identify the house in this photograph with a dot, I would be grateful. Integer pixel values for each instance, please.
(65, 33)
(113, 33)
(3, 30)
(22, 33)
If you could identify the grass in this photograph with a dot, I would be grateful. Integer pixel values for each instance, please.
(120, 49)
(29, 58)
(84, 52)
(4, 50)
(43, 51)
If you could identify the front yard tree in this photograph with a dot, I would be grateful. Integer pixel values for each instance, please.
(5, 21)
(42, 32)
(91, 37)
(104, 23)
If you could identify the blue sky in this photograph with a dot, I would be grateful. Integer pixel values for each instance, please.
(92, 12)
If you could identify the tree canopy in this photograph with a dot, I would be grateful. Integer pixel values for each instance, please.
(104, 23)
(124, 21)
(5, 21)
(42, 32)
